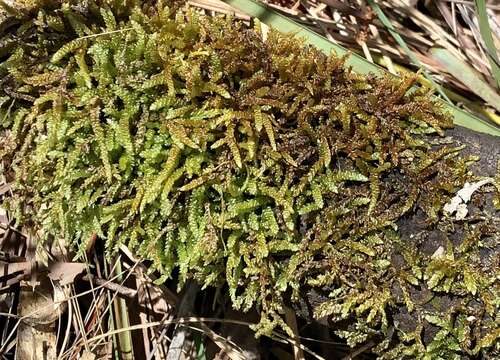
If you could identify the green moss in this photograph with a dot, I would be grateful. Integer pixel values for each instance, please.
(260, 165)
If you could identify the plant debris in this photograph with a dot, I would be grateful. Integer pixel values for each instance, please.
(459, 202)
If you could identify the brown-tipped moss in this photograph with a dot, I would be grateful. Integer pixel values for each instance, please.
(261, 165)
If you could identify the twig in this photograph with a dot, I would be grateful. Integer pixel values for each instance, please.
(117, 288)
(359, 350)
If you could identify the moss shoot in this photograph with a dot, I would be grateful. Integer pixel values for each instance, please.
(259, 165)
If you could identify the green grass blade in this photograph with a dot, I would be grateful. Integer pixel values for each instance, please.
(387, 23)
(484, 28)
(357, 62)
(124, 344)
(467, 75)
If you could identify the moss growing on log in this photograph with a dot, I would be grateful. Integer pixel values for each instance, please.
(261, 165)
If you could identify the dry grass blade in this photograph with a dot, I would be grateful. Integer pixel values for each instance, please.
(219, 7)
(227, 346)
(186, 321)
(388, 24)
(292, 322)
(179, 344)
(467, 75)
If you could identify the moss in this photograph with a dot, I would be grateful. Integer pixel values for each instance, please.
(260, 165)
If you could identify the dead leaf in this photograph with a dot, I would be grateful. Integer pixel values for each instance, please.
(87, 355)
(65, 272)
(4, 188)
(43, 305)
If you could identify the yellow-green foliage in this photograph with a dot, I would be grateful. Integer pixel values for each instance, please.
(262, 166)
